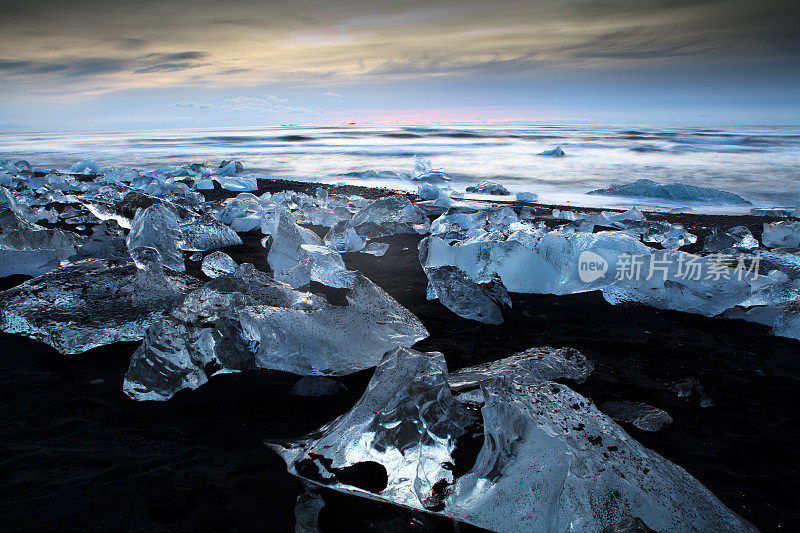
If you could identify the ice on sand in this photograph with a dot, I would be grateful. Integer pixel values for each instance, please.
(157, 227)
(247, 320)
(287, 236)
(550, 460)
(217, 264)
(674, 191)
(389, 216)
(92, 303)
(482, 302)
(784, 234)
(527, 197)
(488, 187)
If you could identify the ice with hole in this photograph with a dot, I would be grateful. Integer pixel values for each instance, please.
(550, 460)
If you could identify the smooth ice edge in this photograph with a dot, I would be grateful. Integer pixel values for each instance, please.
(550, 461)
(674, 191)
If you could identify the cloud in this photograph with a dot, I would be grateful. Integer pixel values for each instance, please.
(267, 103)
(190, 105)
(331, 94)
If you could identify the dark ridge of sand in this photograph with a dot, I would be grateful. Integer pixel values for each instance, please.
(84, 457)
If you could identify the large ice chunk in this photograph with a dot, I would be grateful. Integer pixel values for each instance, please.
(533, 365)
(550, 461)
(679, 281)
(157, 227)
(287, 237)
(488, 187)
(737, 238)
(783, 234)
(465, 297)
(247, 320)
(206, 233)
(217, 264)
(535, 261)
(681, 192)
(389, 216)
(92, 303)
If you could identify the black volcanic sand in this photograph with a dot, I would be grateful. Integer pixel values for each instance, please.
(82, 456)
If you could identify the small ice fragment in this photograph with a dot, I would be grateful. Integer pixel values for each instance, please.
(689, 387)
(389, 216)
(237, 184)
(467, 298)
(378, 249)
(317, 386)
(327, 266)
(424, 171)
(555, 152)
(217, 264)
(488, 187)
(642, 416)
(206, 233)
(527, 197)
(87, 166)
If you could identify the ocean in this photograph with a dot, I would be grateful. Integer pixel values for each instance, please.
(762, 164)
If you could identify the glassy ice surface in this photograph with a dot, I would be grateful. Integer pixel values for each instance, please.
(738, 238)
(533, 365)
(550, 460)
(157, 227)
(784, 234)
(640, 415)
(91, 303)
(480, 301)
(206, 233)
(389, 216)
(262, 323)
(675, 191)
(378, 249)
(342, 237)
(218, 263)
(488, 187)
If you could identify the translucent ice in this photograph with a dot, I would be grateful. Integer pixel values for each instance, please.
(784, 234)
(534, 365)
(237, 183)
(555, 152)
(642, 416)
(342, 237)
(206, 233)
(91, 303)
(424, 171)
(488, 187)
(378, 249)
(737, 238)
(550, 460)
(107, 242)
(534, 261)
(327, 266)
(87, 166)
(674, 191)
(481, 302)
(218, 263)
(527, 197)
(681, 282)
(229, 168)
(247, 320)
(287, 237)
(787, 324)
(157, 227)
(389, 216)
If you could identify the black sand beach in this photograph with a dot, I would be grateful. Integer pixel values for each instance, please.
(79, 455)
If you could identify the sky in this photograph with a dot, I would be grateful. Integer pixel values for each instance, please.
(101, 64)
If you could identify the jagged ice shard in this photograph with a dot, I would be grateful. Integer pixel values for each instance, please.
(157, 227)
(482, 302)
(92, 303)
(550, 461)
(247, 320)
(389, 216)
